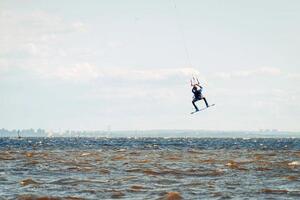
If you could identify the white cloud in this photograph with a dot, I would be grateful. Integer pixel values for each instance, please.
(150, 74)
(294, 76)
(32, 40)
(115, 44)
(78, 72)
(268, 71)
(125, 93)
(79, 26)
(87, 72)
(32, 34)
(263, 71)
(34, 37)
(4, 65)
(38, 23)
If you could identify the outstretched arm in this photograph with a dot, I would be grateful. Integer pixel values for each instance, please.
(196, 83)
(193, 83)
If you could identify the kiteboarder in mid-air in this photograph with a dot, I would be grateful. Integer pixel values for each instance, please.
(197, 91)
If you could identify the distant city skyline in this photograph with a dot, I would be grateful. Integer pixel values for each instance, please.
(90, 65)
(25, 133)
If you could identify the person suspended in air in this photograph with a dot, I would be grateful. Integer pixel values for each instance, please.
(197, 91)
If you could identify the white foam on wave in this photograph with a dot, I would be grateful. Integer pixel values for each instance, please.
(294, 163)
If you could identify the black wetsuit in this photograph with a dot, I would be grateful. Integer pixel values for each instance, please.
(198, 96)
(197, 93)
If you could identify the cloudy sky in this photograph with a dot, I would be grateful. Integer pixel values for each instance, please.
(126, 64)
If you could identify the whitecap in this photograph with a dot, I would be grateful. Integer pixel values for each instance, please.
(294, 163)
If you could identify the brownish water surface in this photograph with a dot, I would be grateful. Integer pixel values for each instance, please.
(160, 173)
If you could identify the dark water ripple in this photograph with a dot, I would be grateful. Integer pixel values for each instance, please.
(152, 143)
(149, 168)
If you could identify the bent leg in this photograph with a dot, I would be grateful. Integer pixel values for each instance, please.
(194, 100)
(205, 102)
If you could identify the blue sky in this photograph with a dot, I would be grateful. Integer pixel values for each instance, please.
(93, 64)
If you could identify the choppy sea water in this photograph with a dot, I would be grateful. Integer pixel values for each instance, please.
(149, 168)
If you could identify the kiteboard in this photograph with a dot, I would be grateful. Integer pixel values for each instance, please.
(202, 109)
